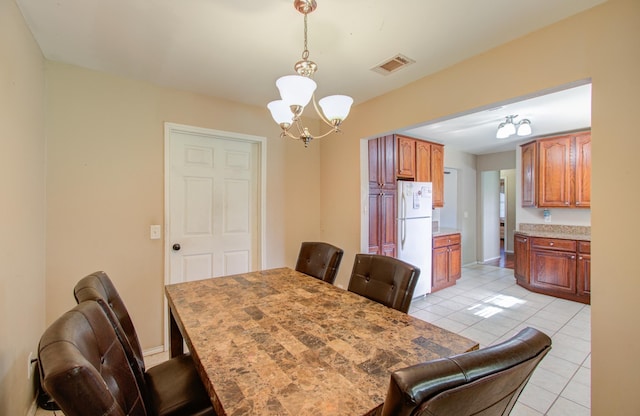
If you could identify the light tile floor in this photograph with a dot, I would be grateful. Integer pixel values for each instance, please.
(487, 306)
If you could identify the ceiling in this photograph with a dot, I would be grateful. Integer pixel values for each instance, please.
(236, 49)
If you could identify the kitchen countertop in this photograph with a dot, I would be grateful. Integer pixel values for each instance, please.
(445, 231)
(567, 232)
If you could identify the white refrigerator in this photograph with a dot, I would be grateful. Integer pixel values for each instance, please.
(415, 230)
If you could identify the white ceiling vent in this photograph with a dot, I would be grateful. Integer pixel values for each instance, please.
(392, 65)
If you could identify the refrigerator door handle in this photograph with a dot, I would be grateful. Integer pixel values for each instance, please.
(403, 225)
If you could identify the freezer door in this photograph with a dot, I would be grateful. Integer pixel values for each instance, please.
(414, 199)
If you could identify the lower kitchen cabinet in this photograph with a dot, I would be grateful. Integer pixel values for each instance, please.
(446, 261)
(554, 266)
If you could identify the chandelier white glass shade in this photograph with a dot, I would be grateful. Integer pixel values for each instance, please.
(509, 128)
(296, 91)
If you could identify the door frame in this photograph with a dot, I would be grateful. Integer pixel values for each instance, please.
(261, 148)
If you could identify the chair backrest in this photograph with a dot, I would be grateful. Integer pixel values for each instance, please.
(384, 279)
(97, 286)
(83, 366)
(320, 260)
(485, 382)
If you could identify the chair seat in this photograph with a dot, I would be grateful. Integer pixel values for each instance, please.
(175, 388)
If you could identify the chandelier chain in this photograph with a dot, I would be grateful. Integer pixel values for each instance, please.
(305, 52)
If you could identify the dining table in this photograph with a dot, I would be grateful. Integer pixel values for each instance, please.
(280, 342)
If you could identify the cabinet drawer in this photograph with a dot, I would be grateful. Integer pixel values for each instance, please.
(553, 244)
(584, 247)
(446, 240)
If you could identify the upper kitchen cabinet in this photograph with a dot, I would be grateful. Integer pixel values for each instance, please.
(382, 155)
(406, 158)
(556, 172)
(421, 161)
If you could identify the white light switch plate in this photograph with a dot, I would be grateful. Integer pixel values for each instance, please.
(155, 232)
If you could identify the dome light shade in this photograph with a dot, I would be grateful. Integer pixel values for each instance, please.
(296, 89)
(524, 129)
(280, 112)
(336, 107)
(509, 128)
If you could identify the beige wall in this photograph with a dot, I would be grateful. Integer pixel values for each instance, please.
(105, 162)
(22, 192)
(602, 44)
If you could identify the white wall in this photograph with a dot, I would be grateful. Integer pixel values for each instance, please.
(489, 212)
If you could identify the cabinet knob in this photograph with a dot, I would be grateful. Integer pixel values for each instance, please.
(573, 257)
(580, 258)
(577, 202)
(551, 243)
(566, 203)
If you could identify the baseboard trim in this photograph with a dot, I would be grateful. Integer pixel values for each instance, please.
(155, 350)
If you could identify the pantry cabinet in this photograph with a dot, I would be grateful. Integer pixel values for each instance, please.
(382, 196)
(556, 172)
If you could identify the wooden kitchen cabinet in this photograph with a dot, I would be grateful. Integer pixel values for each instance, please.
(556, 172)
(437, 174)
(584, 269)
(382, 196)
(583, 170)
(529, 161)
(406, 158)
(422, 161)
(521, 258)
(446, 265)
(555, 266)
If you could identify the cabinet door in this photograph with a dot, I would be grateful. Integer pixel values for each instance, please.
(583, 170)
(529, 174)
(437, 174)
(554, 271)
(584, 275)
(406, 157)
(374, 223)
(455, 262)
(423, 161)
(440, 268)
(388, 225)
(387, 156)
(554, 172)
(521, 258)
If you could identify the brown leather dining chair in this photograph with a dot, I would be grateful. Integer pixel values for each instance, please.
(485, 382)
(173, 386)
(85, 369)
(384, 279)
(320, 260)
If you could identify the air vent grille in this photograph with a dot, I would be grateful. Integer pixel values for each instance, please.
(392, 65)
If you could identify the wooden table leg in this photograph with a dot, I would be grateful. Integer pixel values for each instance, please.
(176, 341)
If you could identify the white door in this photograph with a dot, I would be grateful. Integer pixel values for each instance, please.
(213, 203)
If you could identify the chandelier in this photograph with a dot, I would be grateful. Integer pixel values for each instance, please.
(297, 90)
(509, 128)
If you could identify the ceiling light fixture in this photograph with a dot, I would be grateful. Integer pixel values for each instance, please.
(297, 90)
(509, 128)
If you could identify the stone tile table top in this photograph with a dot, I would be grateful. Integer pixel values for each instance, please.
(279, 342)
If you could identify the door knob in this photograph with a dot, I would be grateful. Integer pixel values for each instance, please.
(176, 247)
